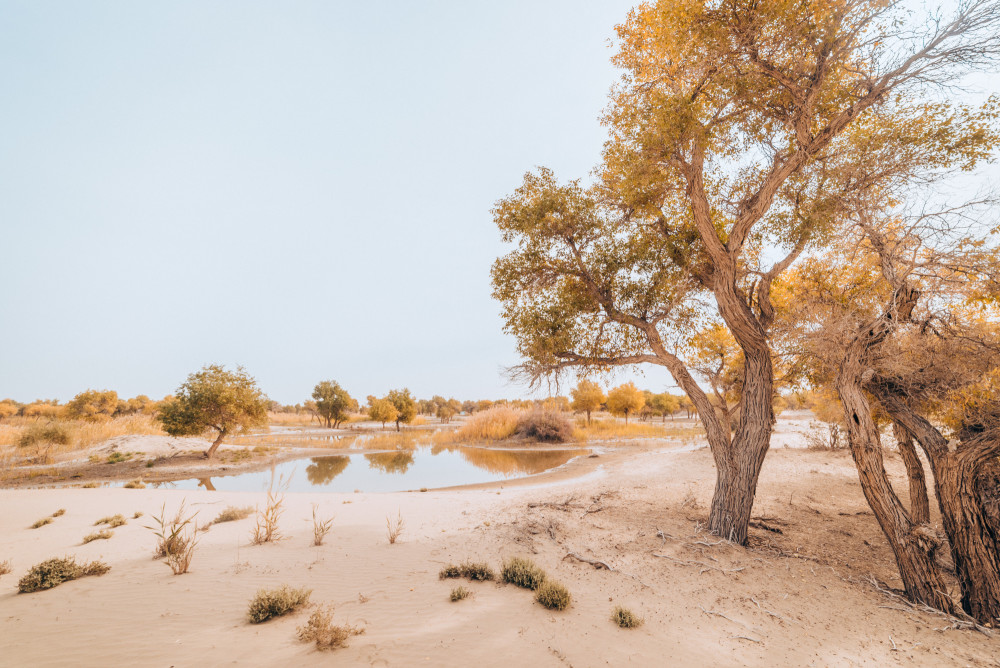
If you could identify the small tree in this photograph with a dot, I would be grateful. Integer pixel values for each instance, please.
(333, 403)
(93, 405)
(215, 400)
(381, 410)
(625, 400)
(406, 407)
(587, 396)
(664, 404)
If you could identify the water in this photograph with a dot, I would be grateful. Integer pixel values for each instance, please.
(394, 471)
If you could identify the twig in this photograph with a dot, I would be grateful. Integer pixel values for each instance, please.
(719, 614)
(746, 638)
(704, 566)
(596, 563)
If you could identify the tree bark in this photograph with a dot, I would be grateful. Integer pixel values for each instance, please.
(920, 511)
(215, 446)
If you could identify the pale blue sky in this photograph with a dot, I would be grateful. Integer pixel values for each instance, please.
(299, 187)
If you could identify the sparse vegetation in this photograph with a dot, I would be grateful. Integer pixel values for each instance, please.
(119, 457)
(625, 618)
(494, 424)
(103, 534)
(42, 522)
(393, 527)
(321, 630)
(450, 571)
(233, 513)
(59, 513)
(269, 603)
(137, 514)
(5, 567)
(134, 484)
(545, 426)
(54, 572)
(174, 542)
(459, 593)
(522, 572)
(51, 433)
(266, 528)
(477, 571)
(321, 527)
(112, 521)
(553, 595)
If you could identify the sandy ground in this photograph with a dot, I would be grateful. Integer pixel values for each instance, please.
(801, 597)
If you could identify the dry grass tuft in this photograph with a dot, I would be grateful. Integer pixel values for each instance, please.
(320, 527)
(625, 618)
(137, 514)
(450, 571)
(233, 513)
(113, 521)
(459, 593)
(321, 630)
(59, 513)
(54, 572)
(522, 572)
(393, 528)
(545, 426)
(480, 571)
(5, 567)
(495, 424)
(266, 528)
(270, 603)
(103, 534)
(42, 522)
(553, 595)
(135, 484)
(175, 541)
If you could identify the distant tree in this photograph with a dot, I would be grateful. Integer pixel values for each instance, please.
(587, 397)
(333, 403)
(664, 404)
(137, 404)
(93, 405)
(469, 407)
(381, 410)
(9, 408)
(625, 400)
(215, 400)
(406, 408)
(445, 412)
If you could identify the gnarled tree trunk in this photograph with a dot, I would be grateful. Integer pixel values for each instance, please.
(920, 510)
(215, 446)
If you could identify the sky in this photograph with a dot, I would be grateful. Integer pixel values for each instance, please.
(301, 188)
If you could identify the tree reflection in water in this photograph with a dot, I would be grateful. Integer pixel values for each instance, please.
(324, 469)
(390, 462)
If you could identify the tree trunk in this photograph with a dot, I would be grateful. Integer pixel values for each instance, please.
(215, 446)
(920, 511)
(588, 418)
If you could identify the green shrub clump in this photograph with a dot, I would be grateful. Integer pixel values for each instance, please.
(54, 572)
(625, 618)
(522, 572)
(270, 603)
(553, 595)
(52, 433)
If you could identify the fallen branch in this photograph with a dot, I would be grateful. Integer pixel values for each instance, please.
(702, 565)
(719, 614)
(596, 563)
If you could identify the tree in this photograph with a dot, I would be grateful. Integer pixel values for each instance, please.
(587, 397)
(9, 408)
(381, 410)
(215, 400)
(736, 136)
(625, 400)
(93, 405)
(406, 408)
(664, 404)
(445, 412)
(333, 403)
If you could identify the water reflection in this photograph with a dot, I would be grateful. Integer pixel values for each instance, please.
(390, 462)
(324, 469)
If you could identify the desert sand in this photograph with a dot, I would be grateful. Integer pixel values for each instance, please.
(807, 596)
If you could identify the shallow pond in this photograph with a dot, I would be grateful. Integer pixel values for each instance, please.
(394, 471)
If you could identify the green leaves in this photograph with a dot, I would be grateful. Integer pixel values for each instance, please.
(215, 399)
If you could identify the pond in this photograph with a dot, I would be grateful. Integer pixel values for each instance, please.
(393, 471)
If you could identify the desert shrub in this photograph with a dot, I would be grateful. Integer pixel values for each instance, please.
(103, 534)
(59, 513)
(112, 521)
(553, 595)
(522, 572)
(545, 426)
(321, 527)
(54, 572)
(270, 603)
(137, 514)
(170, 534)
(494, 424)
(233, 513)
(459, 593)
(42, 522)
(477, 571)
(5, 567)
(134, 484)
(52, 433)
(321, 630)
(90, 485)
(266, 528)
(625, 618)
(450, 571)
(119, 457)
(393, 527)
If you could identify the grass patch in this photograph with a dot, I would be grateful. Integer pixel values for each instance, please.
(113, 521)
(553, 595)
(42, 522)
(459, 593)
(270, 603)
(495, 424)
(103, 534)
(119, 457)
(266, 529)
(59, 513)
(5, 567)
(522, 572)
(54, 572)
(625, 618)
(233, 513)
(134, 484)
(89, 485)
(480, 571)
(137, 514)
(321, 630)
(321, 527)
(393, 528)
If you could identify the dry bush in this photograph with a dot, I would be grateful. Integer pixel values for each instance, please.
(5, 567)
(553, 595)
(545, 426)
(54, 572)
(60, 435)
(134, 484)
(51, 433)
(522, 572)
(233, 513)
(321, 630)
(450, 571)
(103, 534)
(320, 527)
(495, 424)
(59, 513)
(266, 528)
(42, 522)
(625, 618)
(477, 571)
(268, 603)
(459, 593)
(137, 514)
(113, 521)
(172, 539)
(393, 528)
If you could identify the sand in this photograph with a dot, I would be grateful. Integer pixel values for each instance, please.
(801, 597)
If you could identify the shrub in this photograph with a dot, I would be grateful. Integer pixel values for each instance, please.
(52, 433)
(137, 514)
(42, 522)
(522, 572)
(5, 567)
(327, 635)
(54, 572)
(450, 571)
(59, 513)
(119, 457)
(233, 513)
(393, 528)
(477, 571)
(494, 424)
(553, 595)
(458, 593)
(625, 618)
(172, 539)
(103, 534)
(113, 521)
(320, 527)
(134, 484)
(266, 528)
(545, 426)
(270, 603)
